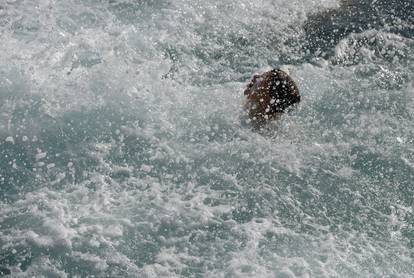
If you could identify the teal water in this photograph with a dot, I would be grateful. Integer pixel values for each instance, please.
(123, 154)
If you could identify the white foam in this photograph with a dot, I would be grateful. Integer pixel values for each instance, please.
(133, 108)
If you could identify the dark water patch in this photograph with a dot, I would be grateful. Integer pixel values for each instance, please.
(16, 169)
(384, 48)
(18, 256)
(56, 150)
(4, 271)
(325, 29)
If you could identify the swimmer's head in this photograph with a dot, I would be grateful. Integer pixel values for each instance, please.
(270, 94)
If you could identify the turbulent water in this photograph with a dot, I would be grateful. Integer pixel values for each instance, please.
(123, 153)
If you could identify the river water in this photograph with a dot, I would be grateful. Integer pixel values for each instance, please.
(123, 153)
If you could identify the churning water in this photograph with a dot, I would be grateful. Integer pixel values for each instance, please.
(122, 152)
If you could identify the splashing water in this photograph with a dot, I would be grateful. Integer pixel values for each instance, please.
(122, 153)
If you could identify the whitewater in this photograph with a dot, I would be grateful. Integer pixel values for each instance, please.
(123, 152)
